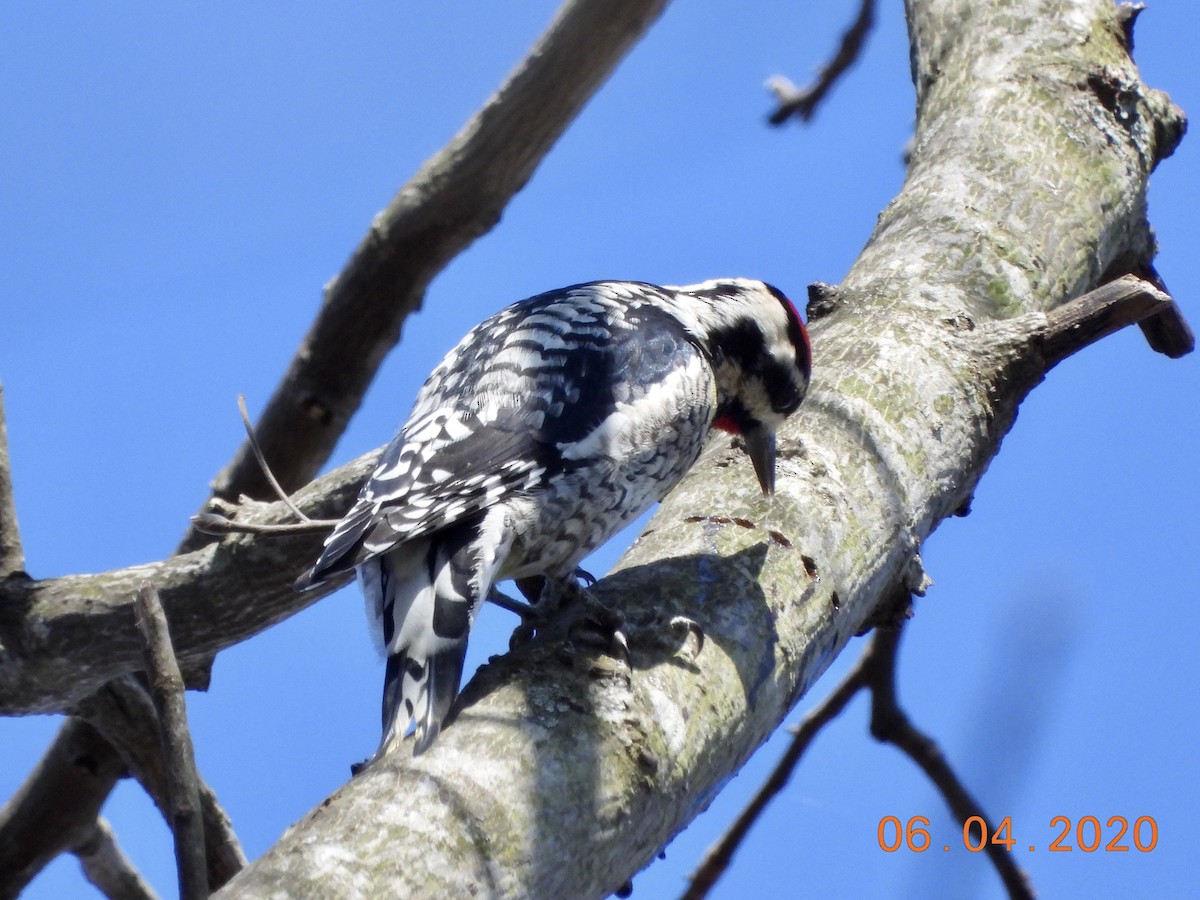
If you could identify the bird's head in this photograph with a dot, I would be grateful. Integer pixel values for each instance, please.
(762, 360)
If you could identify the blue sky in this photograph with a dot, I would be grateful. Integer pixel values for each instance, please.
(179, 183)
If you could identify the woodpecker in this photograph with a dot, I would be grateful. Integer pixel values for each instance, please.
(549, 427)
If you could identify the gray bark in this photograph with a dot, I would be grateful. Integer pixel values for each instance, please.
(567, 770)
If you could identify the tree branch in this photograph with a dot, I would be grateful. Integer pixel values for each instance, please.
(1099, 313)
(44, 817)
(66, 637)
(803, 102)
(183, 792)
(12, 557)
(107, 868)
(124, 714)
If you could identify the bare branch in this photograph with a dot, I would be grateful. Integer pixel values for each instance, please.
(65, 637)
(107, 868)
(1099, 313)
(12, 557)
(890, 724)
(803, 102)
(166, 687)
(46, 814)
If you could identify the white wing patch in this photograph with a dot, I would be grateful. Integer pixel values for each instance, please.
(634, 426)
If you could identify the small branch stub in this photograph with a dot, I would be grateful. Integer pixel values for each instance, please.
(1099, 313)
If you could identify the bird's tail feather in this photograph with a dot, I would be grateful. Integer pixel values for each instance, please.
(423, 597)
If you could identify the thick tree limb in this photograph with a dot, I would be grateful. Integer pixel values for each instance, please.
(12, 557)
(107, 868)
(183, 790)
(803, 102)
(932, 340)
(66, 637)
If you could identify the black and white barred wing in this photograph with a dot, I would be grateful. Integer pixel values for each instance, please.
(558, 382)
(440, 469)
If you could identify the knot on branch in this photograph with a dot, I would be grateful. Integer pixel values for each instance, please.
(823, 299)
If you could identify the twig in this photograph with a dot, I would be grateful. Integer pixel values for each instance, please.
(803, 102)
(890, 724)
(262, 464)
(107, 868)
(166, 687)
(215, 523)
(717, 860)
(12, 557)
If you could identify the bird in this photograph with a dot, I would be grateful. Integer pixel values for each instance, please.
(545, 430)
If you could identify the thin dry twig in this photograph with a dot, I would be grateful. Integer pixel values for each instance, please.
(107, 868)
(803, 102)
(890, 724)
(875, 672)
(217, 524)
(166, 687)
(262, 464)
(12, 556)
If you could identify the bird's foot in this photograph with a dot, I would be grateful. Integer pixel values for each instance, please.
(564, 607)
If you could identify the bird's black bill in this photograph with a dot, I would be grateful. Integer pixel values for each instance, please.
(760, 447)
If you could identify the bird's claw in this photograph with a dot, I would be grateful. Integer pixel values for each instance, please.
(604, 622)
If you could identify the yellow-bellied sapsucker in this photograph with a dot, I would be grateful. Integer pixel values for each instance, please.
(549, 427)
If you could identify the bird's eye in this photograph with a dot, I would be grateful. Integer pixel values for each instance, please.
(787, 400)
